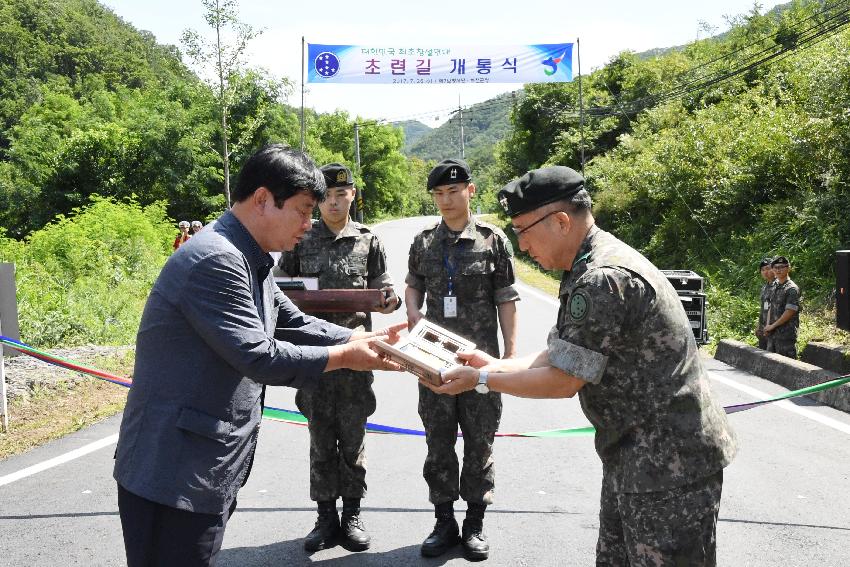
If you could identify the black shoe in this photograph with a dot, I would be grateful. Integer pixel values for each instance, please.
(353, 534)
(445, 534)
(326, 530)
(475, 546)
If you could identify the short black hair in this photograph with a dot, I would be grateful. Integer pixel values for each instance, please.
(281, 170)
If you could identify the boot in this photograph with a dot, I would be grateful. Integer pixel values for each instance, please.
(445, 533)
(354, 536)
(475, 546)
(326, 529)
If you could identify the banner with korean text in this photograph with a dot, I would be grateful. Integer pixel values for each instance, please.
(399, 65)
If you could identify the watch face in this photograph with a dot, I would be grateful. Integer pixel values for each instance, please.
(482, 388)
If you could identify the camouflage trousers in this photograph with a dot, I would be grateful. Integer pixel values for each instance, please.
(660, 529)
(478, 416)
(784, 346)
(336, 409)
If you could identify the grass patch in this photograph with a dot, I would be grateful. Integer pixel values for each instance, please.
(56, 409)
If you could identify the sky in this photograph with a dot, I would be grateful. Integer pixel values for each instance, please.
(604, 28)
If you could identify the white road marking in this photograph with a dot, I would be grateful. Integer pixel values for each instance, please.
(60, 460)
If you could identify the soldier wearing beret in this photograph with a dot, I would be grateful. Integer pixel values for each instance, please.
(783, 318)
(342, 254)
(462, 269)
(623, 343)
(764, 299)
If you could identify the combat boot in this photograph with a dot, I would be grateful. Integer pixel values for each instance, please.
(445, 533)
(475, 546)
(326, 529)
(353, 534)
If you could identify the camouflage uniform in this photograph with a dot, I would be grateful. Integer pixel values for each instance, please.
(783, 339)
(479, 258)
(764, 307)
(662, 438)
(339, 404)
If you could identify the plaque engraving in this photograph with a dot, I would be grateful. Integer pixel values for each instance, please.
(426, 350)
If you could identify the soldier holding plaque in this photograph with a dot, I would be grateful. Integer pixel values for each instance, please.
(462, 269)
(622, 342)
(342, 254)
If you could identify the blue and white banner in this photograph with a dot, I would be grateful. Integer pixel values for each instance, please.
(400, 65)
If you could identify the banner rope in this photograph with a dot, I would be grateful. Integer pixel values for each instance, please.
(297, 418)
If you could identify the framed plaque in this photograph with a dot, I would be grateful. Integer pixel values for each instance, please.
(426, 350)
(335, 300)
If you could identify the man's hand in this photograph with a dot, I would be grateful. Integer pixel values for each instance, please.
(413, 317)
(475, 358)
(389, 301)
(392, 333)
(360, 355)
(455, 381)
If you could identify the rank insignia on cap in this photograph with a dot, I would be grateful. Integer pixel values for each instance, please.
(341, 176)
(579, 306)
(453, 173)
(504, 202)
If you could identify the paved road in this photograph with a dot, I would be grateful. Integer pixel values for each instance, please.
(786, 499)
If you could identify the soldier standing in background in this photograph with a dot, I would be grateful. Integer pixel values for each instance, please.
(464, 268)
(764, 299)
(783, 320)
(342, 254)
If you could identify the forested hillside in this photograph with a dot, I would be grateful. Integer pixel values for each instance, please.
(715, 155)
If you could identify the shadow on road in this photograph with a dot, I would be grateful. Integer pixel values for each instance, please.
(292, 553)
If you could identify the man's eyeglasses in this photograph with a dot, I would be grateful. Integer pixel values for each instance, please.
(519, 231)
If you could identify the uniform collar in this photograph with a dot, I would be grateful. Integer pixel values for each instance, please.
(583, 257)
(467, 233)
(348, 231)
(258, 260)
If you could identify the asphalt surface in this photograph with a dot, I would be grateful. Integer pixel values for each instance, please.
(785, 502)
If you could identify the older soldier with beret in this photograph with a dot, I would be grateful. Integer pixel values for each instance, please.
(623, 343)
(463, 268)
(342, 254)
(783, 317)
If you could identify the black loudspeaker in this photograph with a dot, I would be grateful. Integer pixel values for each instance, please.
(842, 289)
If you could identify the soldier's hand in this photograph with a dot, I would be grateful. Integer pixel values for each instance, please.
(475, 358)
(389, 300)
(455, 381)
(413, 317)
(393, 332)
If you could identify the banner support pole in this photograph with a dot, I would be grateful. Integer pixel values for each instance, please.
(580, 104)
(302, 93)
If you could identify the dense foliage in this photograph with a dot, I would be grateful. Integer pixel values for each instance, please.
(717, 178)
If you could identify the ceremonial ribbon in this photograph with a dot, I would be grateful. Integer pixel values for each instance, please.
(296, 418)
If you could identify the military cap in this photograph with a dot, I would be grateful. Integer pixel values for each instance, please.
(539, 187)
(337, 175)
(780, 261)
(765, 262)
(449, 171)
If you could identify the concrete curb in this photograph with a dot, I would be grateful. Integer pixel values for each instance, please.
(784, 371)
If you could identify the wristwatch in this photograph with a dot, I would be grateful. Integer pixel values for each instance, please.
(482, 387)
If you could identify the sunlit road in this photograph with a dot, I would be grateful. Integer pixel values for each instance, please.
(786, 499)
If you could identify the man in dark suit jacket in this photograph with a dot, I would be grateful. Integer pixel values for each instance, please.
(204, 352)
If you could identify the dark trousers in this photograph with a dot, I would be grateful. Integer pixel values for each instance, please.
(162, 536)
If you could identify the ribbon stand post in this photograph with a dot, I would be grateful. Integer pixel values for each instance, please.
(4, 404)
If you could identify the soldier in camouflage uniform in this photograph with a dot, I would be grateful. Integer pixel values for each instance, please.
(764, 299)
(463, 269)
(783, 319)
(623, 343)
(342, 254)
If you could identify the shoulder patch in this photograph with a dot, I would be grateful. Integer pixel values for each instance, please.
(579, 306)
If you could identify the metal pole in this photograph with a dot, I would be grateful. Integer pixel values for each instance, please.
(580, 105)
(302, 93)
(358, 197)
(460, 112)
(4, 404)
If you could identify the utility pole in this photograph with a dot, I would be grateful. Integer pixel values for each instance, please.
(460, 114)
(358, 198)
(580, 105)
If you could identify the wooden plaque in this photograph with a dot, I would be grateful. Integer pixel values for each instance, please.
(427, 350)
(335, 300)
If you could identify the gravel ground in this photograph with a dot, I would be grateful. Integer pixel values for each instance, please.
(24, 374)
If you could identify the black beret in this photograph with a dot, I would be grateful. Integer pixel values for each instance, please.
(337, 175)
(780, 260)
(449, 171)
(765, 262)
(540, 187)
